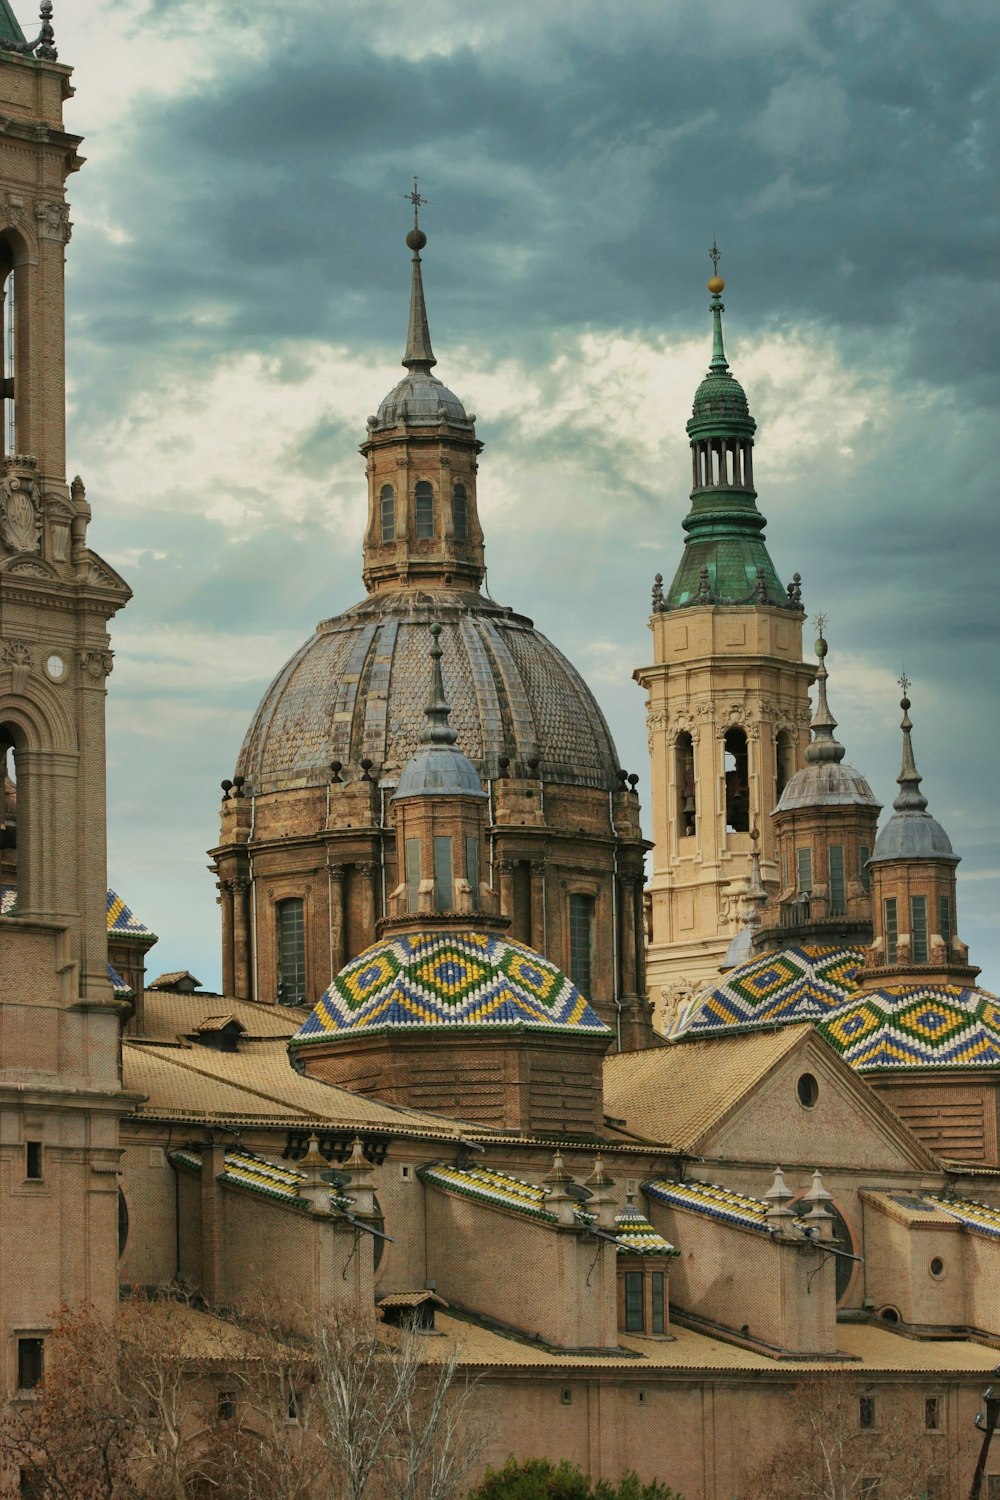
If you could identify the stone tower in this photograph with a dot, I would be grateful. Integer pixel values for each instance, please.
(727, 704)
(60, 1093)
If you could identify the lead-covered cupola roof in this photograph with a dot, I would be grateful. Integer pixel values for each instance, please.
(911, 832)
(438, 768)
(825, 781)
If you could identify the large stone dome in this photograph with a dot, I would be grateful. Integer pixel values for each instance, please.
(357, 689)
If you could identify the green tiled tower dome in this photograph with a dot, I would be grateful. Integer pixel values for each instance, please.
(725, 557)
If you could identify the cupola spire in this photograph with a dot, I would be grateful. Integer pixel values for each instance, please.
(825, 747)
(716, 285)
(419, 354)
(438, 730)
(911, 798)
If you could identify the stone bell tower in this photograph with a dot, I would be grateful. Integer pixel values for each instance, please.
(727, 704)
(60, 1093)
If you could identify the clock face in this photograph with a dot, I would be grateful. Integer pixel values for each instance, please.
(55, 666)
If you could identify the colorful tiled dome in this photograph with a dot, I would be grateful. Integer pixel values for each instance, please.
(468, 979)
(795, 984)
(917, 1026)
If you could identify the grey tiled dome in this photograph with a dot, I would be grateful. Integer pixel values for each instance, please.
(420, 397)
(828, 784)
(357, 689)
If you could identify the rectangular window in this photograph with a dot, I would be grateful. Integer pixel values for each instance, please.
(866, 1413)
(635, 1322)
(227, 1406)
(444, 883)
(993, 1487)
(423, 510)
(33, 1161)
(804, 870)
(387, 513)
(784, 869)
(412, 874)
(472, 871)
(29, 1363)
(658, 1302)
(581, 928)
(864, 874)
(918, 929)
(291, 951)
(944, 922)
(932, 1414)
(891, 929)
(838, 886)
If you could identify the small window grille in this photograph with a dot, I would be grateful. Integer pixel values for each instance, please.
(444, 880)
(804, 871)
(944, 922)
(581, 931)
(227, 1406)
(291, 951)
(932, 1414)
(460, 513)
(838, 888)
(566, 1395)
(918, 929)
(635, 1321)
(33, 1161)
(891, 916)
(866, 1413)
(423, 506)
(658, 1302)
(413, 874)
(387, 513)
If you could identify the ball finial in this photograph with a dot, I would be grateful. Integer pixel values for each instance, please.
(716, 285)
(416, 239)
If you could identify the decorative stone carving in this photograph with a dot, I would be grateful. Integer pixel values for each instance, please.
(17, 656)
(684, 722)
(20, 518)
(12, 212)
(96, 664)
(52, 221)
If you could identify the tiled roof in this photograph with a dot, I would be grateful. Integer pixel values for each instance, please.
(465, 979)
(675, 1094)
(981, 1217)
(258, 1083)
(122, 990)
(173, 976)
(915, 1026)
(487, 1186)
(123, 923)
(636, 1235)
(796, 984)
(868, 1348)
(8, 900)
(171, 1014)
(710, 1199)
(244, 1169)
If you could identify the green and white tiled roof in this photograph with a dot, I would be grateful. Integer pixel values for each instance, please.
(636, 1235)
(710, 1199)
(487, 1186)
(981, 1217)
(244, 1169)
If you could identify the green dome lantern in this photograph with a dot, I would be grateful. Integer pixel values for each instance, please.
(725, 558)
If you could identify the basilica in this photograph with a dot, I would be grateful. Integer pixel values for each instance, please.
(649, 1130)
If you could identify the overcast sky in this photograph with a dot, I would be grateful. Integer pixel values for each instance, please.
(237, 300)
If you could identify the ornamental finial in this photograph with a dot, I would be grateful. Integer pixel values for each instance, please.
(419, 354)
(716, 285)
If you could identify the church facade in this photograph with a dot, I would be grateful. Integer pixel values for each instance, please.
(432, 1081)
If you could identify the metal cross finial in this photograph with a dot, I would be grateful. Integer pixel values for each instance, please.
(820, 624)
(417, 202)
(715, 254)
(904, 683)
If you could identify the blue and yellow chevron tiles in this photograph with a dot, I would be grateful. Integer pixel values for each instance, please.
(448, 979)
(797, 984)
(980, 1217)
(636, 1235)
(710, 1199)
(122, 922)
(917, 1026)
(487, 1186)
(244, 1169)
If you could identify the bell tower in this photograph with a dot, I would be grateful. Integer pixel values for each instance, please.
(60, 1092)
(727, 696)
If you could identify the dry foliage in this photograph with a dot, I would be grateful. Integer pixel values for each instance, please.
(832, 1457)
(155, 1410)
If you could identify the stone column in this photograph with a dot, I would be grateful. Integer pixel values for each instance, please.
(505, 875)
(537, 940)
(242, 967)
(368, 878)
(629, 977)
(225, 888)
(338, 957)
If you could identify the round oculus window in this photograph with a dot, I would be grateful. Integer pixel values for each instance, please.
(808, 1090)
(55, 667)
(937, 1267)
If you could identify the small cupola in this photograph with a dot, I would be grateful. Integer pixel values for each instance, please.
(913, 866)
(824, 824)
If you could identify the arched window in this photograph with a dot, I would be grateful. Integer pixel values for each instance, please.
(444, 874)
(782, 762)
(13, 865)
(8, 343)
(387, 514)
(423, 505)
(737, 782)
(687, 807)
(291, 951)
(460, 513)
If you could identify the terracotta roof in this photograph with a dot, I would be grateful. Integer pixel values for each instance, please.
(171, 1014)
(676, 1094)
(869, 1349)
(256, 1083)
(172, 976)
